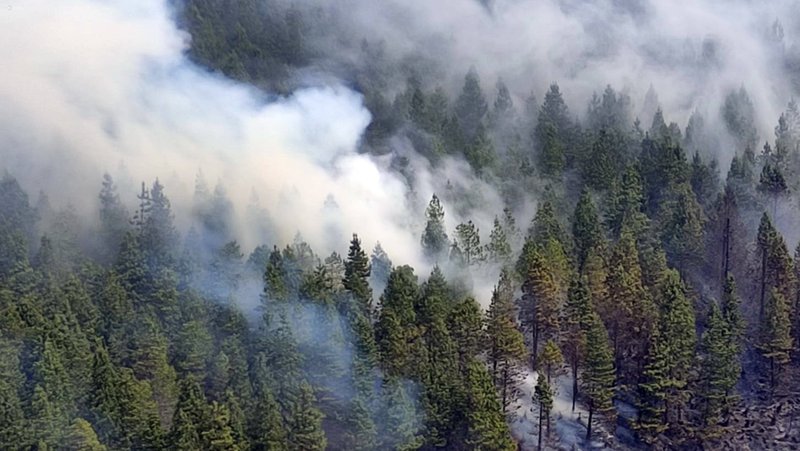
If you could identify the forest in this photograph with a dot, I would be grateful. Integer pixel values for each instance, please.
(642, 278)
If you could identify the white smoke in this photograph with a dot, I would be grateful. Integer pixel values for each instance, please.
(90, 86)
(692, 53)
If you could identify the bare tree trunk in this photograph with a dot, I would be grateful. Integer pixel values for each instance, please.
(589, 422)
(574, 384)
(541, 413)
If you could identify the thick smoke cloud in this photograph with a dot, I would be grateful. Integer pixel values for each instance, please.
(92, 86)
(692, 54)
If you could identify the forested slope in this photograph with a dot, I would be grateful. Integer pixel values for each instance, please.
(666, 289)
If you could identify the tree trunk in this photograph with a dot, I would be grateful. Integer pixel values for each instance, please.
(574, 384)
(589, 423)
(535, 346)
(505, 388)
(547, 422)
(726, 250)
(763, 282)
(541, 413)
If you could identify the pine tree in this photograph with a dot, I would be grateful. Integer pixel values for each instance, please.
(576, 315)
(772, 184)
(113, 220)
(267, 430)
(505, 344)
(434, 238)
(45, 419)
(498, 250)
(598, 375)
(469, 242)
(190, 419)
(551, 133)
(681, 223)
(732, 314)
(543, 396)
(471, 107)
(81, 437)
(775, 265)
(653, 387)
(775, 341)
(50, 374)
(139, 419)
(395, 331)
(551, 359)
(539, 309)
(362, 434)
(158, 235)
(720, 369)
(149, 361)
(465, 324)
(304, 422)
(237, 419)
(586, 231)
(217, 434)
(12, 419)
(607, 157)
(627, 310)
(402, 423)
(486, 426)
(670, 357)
(356, 278)
(381, 267)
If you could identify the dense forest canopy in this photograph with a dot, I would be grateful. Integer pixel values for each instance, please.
(486, 225)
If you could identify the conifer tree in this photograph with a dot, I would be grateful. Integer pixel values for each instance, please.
(395, 331)
(480, 153)
(486, 426)
(362, 433)
(498, 250)
(465, 324)
(469, 243)
(720, 369)
(626, 202)
(47, 422)
(158, 235)
(543, 397)
(775, 265)
(304, 422)
(576, 315)
(434, 238)
(12, 419)
(663, 386)
(551, 359)
(551, 133)
(597, 380)
(681, 224)
(81, 437)
(586, 232)
(217, 433)
(149, 361)
(381, 267)
(539, 309)
(268, 432)
(114, 222)
(191, 416)
(775, 341)
(402, 423)
(471, 106)
(730, 308)
(505, 344)
(356, 278)
(627, 310)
